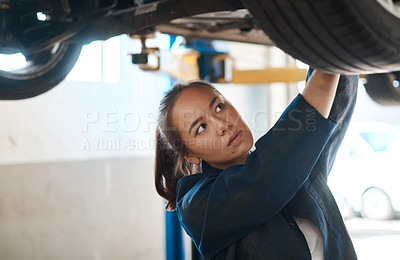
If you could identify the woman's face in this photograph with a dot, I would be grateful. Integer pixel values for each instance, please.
(211, 128)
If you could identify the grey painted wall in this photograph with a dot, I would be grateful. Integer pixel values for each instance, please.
(98, 209)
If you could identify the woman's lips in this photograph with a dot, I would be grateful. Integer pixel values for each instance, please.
(235, 139)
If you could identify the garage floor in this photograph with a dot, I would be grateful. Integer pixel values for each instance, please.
(375, 239)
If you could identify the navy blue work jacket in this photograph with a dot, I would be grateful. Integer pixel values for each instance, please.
(246, 210)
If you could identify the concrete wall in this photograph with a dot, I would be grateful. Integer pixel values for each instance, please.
(96, 209)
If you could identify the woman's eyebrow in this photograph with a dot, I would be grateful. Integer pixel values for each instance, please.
(195, 123)
(212, 101)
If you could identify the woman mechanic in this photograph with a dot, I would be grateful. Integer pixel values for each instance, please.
(271, 203)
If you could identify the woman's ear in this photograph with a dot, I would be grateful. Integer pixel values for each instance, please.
(193, 159)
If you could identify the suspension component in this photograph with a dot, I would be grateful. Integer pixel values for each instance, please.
(142, 58)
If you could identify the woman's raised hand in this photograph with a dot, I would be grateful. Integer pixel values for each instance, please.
(320, 91)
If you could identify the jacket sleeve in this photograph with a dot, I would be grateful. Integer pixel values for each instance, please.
(220, 209)
(341, 112)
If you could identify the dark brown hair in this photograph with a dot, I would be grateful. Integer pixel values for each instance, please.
(170, 164)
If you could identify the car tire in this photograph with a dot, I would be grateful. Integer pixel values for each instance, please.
(43, 71)
(384, 88)
(339, 36)
(376, 205)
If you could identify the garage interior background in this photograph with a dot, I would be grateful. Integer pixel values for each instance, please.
(76, 163)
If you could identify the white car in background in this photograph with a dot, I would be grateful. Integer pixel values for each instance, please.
(365, 178)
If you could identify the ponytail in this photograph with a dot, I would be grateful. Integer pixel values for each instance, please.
(164, 173)
(170, 167)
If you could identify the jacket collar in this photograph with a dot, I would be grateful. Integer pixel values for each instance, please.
(206, 168)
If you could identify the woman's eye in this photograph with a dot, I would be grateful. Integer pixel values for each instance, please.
(219, 107)
(201, 128)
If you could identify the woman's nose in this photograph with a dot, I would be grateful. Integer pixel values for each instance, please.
(224, 126)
